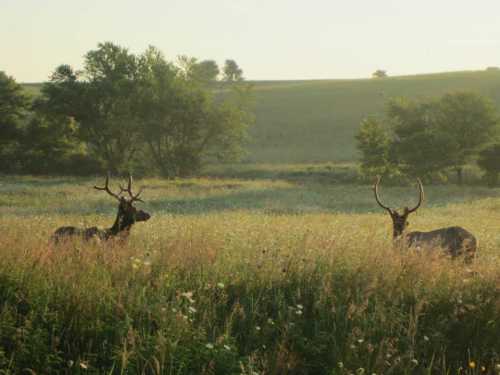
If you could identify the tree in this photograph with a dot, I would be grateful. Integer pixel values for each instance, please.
(47, 144)
(102, 99)
(419, 147)
(13, 107)
(374, 143)
(232, 72)
(183, 124)
(489, 162)
(379, 73)
(469, 121)
(206, 71)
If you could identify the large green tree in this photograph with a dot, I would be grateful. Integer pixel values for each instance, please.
(102, 99)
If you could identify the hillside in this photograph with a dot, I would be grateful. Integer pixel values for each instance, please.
(309, 121)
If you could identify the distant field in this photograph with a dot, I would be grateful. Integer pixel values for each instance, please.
(315, 121)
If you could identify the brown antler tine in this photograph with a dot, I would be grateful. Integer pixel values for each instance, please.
(375, 189)
(106, 188)
(420, 196)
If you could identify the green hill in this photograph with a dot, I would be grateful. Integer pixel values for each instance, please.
(315, 121)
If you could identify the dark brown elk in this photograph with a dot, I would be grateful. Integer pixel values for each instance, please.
(126, 217)
(456, 241)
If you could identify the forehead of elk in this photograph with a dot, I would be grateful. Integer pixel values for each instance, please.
(399, 220)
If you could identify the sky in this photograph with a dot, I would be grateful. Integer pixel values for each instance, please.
(269, 39)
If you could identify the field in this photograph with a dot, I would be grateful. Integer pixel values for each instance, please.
(245, 276)
(315, 121)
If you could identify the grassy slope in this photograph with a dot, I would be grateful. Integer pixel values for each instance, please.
(238, 276)
(311, 121)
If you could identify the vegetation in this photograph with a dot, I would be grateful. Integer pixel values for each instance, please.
(427, 137)
(244, 276)
(316, 121)
(126, 112)
(489, 161)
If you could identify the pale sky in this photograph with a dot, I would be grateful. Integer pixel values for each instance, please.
(269, 39)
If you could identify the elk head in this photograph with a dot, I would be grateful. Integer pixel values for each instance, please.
(127, 215)
(399, 220)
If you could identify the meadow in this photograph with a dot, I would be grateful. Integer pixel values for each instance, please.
(245, 275)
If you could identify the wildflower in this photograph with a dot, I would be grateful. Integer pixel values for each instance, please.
(209, 346)
(300, 307)
(426, 338)
(360, 371)
(257, 328)
(472, 364)
(270, 321)
(70, 363)
(360, 341)
(84, 365)
(227, 347)
(135, 266)
(298, 312)
(340, 364)
(192, 310)
(483, 369)
(414, 361)
(188, 296)
(220, 285)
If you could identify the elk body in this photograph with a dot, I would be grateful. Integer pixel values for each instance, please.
(456, 241)
(126, 217)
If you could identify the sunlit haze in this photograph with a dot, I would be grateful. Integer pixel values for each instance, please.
(272, 39)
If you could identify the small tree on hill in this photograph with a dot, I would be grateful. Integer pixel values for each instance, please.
(379, 73)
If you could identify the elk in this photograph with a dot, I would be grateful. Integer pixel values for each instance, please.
(455, 240)
(127, 216)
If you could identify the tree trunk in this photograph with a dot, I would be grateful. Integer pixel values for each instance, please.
(460, 177)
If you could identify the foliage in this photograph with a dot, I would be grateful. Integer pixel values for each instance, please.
(314, 121)
(374, 144)
(234, 284)
(489, 162)
(380, 73)
(430, 136)
(206, 71)
(13, 107)
(139, 111)
(232, 72)
(469, 121)
(183, 124)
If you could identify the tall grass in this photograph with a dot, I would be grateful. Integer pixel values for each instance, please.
(249, 277)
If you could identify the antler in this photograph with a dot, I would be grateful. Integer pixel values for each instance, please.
(129, 191)
(420, 197)
(375, 189)
(106, 188)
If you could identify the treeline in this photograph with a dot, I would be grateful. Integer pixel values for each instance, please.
(126, 112)
(431, 138)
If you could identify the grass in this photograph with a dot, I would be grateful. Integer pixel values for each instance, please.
(315, 121)
(244, 276)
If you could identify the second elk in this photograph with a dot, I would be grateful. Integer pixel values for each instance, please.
(456, 241)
